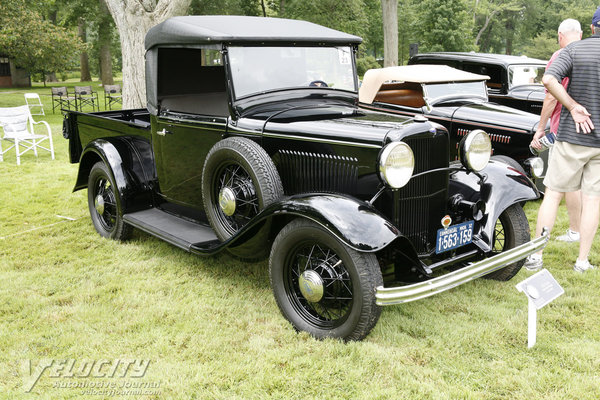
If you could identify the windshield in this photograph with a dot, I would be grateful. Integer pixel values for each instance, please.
(263, 69)
(525, 75)
(436, 92)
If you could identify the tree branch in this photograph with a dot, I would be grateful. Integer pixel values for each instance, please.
(148, 5)
(487, 22)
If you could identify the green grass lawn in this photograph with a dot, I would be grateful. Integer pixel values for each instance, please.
(211, 328)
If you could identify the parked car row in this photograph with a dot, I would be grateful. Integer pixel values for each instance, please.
(457, 100)
(254, 143)
(515, 81)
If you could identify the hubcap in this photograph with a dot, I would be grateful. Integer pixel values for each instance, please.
(99, 204)
(227, 201)
(311, 286)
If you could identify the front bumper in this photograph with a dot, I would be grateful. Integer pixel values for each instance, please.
(404, 294)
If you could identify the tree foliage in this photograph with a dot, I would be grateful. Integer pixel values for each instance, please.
(34, 43)
(526, 27)
(39, 34)
(445, 25)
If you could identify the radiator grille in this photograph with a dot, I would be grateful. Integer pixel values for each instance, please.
(304, 172)
(422, 202)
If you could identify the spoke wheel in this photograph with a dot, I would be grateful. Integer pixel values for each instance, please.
(238, 201)
(511, 230)
(105, 204)
(321, 285)
(500, 239)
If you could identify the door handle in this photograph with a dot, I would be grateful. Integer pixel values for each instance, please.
(163, 132)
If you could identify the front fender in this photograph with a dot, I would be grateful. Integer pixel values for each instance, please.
(356, 223)
(502, 187)
(130, 163)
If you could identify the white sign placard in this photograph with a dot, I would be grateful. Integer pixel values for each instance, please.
(540, 290)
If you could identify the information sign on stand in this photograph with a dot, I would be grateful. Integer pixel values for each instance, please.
(540, 290)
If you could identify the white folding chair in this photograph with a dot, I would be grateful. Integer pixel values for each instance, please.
(34, 102)
(17, 124)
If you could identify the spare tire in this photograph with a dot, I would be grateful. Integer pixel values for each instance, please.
(239, 180)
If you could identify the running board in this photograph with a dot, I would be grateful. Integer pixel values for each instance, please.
(174, 230)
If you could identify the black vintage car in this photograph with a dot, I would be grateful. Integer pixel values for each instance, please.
(515, 81)
(459, 101)
(253, 143)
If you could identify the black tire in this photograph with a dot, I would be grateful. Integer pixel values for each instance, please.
(242, 170)
(346, 307)
(511, 162)
(105, 204)
(511, 230)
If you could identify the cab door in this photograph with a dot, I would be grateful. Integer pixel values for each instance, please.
(181, 145)
(192, 105)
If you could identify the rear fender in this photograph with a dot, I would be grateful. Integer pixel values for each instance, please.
(502, 187)
(130, 163)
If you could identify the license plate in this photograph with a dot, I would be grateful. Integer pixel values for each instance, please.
(454, 236)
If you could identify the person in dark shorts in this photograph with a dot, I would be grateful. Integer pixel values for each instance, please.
(575, 161)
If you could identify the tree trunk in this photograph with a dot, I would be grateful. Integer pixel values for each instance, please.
(51, 77)
(104, 39)
(509, 36)
(84, 65)
(133, 19)
(264, 10)
(389, 10)
(106, 75)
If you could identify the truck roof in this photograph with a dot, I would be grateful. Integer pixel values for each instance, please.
(213, 29)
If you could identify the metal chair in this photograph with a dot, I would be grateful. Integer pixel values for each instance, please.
(112, 95)
(61, 98)
(17, 124)
(84, 95)
(34, 102)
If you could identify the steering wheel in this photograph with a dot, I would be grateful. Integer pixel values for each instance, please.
(318, 83)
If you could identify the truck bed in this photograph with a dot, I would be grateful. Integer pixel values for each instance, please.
(81, 128)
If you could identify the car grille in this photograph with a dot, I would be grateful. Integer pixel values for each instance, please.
(422, 202)
(313, 172)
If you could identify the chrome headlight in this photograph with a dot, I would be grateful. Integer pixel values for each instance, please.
(475, 150)
(396, 164)
(536, 167)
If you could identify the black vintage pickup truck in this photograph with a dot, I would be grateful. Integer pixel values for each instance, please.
(253, 143)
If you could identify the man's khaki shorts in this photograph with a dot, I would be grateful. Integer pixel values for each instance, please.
(572, 167)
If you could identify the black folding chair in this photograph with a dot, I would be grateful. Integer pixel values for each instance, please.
(61, 98)
(112, 95)
(85, 96)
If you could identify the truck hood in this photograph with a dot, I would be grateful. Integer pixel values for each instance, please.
(344, 124)
(491, 115)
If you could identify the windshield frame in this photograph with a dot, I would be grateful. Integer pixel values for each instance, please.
(231, 76)
(483, 95)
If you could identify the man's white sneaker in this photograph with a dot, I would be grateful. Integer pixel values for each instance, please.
(569, 237)
(533, 263)
(582, 266)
